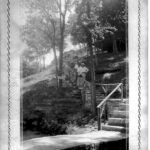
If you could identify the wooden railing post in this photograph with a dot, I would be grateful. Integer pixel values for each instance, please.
(122, 92)
(99, 119)
(106, 113)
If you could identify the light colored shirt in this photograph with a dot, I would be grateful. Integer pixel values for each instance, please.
(76, 66)
(81, 70)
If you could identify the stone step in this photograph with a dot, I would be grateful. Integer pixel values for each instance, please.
(118, 122)
(122, 107)
(119, 114)
(97, 93)
(66, 100)
(115, 128)
(66, 103)
(116, 102)
(76, 96)
(125, 101)
(67, 106)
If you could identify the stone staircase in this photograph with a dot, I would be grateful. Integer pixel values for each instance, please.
(76, 93)
(118, 119)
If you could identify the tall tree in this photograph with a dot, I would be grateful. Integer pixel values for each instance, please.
(41, 37)
(49, 10)
(63, 7)
(115, 12)
(90, 27)
(42, 19)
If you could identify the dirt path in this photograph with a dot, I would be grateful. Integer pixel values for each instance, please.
(70, 141)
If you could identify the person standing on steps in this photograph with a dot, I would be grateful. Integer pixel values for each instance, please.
(81, 74)
(81, 80)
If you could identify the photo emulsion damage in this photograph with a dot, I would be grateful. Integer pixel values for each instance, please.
(74, 75)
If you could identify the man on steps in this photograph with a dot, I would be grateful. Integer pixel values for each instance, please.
(81, 74)
(81, 80)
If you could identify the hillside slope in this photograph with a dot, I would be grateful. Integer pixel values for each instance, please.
(105, 63)
(65, 107)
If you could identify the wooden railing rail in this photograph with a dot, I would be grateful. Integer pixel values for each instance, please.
(107, 84)
(119, 85)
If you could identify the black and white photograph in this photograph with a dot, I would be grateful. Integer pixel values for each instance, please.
(74, 75)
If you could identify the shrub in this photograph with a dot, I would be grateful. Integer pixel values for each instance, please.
(37, 121)
(52, 127)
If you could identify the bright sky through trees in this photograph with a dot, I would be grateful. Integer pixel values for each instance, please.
(20, 16)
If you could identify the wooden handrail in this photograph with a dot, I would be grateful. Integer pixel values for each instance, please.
(108, 96)
(104, 100)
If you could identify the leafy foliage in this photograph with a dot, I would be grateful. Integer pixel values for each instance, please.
(92, 24)
(38, 121)
(107, 19)
(46, 27)
(29, 69)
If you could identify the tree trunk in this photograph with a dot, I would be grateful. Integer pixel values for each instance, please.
(38, 64)
(115, 49)
(61, 62)
(62, 29)
(56, 66)
(93, 93)
(44, 62)
(55, 56)
(92, 68)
